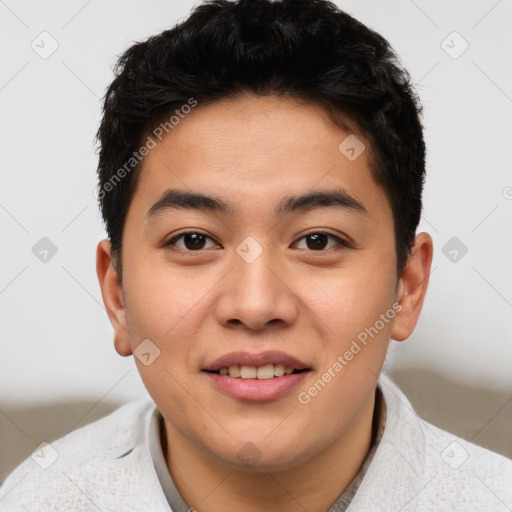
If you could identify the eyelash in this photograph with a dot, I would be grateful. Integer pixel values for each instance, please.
(169, 243)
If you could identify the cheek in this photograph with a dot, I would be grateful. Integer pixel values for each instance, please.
(355, 341)
(164, 306)
(350, 304)
(161, 300)
(167, 306)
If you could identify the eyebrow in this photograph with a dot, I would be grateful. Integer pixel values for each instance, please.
(184, 200)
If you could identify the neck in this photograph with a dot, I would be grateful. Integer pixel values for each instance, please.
(209, 486)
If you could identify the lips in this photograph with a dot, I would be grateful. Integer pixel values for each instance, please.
(256, 377)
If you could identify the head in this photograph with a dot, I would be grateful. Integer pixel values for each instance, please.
(260, 176)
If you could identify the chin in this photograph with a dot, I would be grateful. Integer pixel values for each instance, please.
(260, 456)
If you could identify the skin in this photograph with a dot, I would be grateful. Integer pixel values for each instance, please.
(197, 305)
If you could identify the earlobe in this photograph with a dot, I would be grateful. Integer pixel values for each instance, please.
(413, 286)
(112, 294)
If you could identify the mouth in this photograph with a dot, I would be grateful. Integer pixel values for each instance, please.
(256, 377)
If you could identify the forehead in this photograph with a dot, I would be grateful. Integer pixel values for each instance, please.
(256, 150)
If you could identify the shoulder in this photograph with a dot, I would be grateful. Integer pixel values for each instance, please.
(86, 468)
(426, 468)
(465, 473)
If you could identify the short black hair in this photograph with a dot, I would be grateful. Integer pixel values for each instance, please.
(305, 49)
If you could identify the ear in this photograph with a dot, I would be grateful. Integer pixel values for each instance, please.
(412, 287)
(112, 294)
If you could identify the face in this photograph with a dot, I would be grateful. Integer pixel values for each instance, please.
(258, 280)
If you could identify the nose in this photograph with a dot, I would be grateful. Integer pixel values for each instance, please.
(256, 295)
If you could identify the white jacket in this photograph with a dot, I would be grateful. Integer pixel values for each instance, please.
(107, 466)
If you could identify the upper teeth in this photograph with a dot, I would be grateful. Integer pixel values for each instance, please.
(252, 372)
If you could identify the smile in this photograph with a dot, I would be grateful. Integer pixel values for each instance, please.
(256, 376)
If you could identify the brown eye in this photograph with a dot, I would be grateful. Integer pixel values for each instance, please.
(191, 241)
(318, 241)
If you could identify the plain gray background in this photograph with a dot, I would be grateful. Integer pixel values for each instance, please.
(58, 366)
